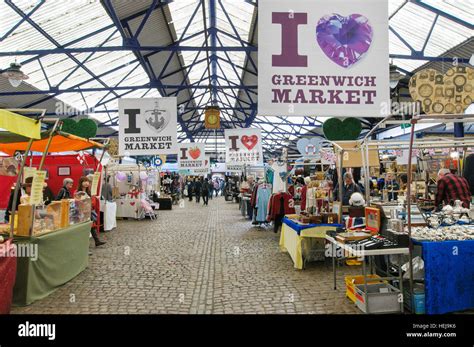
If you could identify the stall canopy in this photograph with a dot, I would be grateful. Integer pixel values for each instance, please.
(10, 143)
(18, 124)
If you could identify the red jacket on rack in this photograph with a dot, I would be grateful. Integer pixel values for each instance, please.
(274, 205)
(253, 199)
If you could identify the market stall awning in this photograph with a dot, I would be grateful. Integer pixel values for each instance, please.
(61, 142)
(21, 125)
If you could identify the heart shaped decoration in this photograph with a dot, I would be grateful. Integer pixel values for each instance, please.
(194, 152)
(346, 130)
(309, 148)
(249, 141)
(451, 93)
(85, 128)
(344, 40)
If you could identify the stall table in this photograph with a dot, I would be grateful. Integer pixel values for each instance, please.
(294, 235)
(164, 203)
(109, 209)
(449, 275)
(61, 256)
(7, 276)
(128, 208)
(351, 251)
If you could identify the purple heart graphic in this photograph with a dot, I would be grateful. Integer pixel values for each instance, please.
(344, 39)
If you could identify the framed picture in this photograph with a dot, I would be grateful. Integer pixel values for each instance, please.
(372, 219)
(64, 171)
(337, 208)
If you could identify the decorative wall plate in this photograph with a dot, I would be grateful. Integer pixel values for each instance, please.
(447, 93)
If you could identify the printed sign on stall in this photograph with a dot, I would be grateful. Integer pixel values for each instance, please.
(192, 156)
(95, 183)
(243, 146)
(36, 197)
(148, 126)
(324, 58)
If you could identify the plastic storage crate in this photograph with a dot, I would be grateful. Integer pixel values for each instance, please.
(379, 302)
(352, 281)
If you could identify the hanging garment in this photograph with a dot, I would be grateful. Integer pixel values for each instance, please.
(263, 196)
(253, 199)
(279, 205)
(279, 170)
(269, 175)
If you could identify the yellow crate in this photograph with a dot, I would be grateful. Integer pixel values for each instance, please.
(351, 281)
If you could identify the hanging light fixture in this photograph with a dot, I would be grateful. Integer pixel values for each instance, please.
(14, 74)
(395, 76)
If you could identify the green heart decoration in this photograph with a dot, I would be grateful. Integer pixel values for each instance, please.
(346, 130)
(85, 128)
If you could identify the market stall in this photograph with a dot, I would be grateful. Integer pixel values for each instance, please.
(52, 240)
(14, 125)
(442, 240)
(133, 189)
(299, 239)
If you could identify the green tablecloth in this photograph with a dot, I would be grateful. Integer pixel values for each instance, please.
(62, 255)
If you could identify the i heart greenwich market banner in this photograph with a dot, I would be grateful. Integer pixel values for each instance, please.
(192, 156)
(243, 146)
(325, 58)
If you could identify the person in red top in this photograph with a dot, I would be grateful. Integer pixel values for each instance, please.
(452, 188)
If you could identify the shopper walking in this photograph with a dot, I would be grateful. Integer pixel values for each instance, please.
(205, 191)
(216, 186)
(190, 189)
(211, 188)
(197, 189)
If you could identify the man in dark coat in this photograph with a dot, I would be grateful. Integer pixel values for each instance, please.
(348, 188)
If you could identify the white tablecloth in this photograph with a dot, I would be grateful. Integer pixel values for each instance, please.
(110, 212)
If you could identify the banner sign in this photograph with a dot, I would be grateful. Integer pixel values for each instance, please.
(148, 126)
(323, 58)
(192, 156)
(243, 146)
(206, 169)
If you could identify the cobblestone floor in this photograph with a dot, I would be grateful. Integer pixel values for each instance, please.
(196, 259)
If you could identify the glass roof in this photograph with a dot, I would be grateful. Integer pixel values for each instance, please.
(424, 26)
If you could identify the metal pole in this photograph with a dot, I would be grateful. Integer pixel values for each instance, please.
(410, 242)
(17, 189)
(50, 139)
(339, 173)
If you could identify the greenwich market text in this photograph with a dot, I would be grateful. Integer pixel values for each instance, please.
(357, 95)
(148, 142)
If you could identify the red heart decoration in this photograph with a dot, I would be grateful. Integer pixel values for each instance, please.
(132, 203)
(249, 141)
